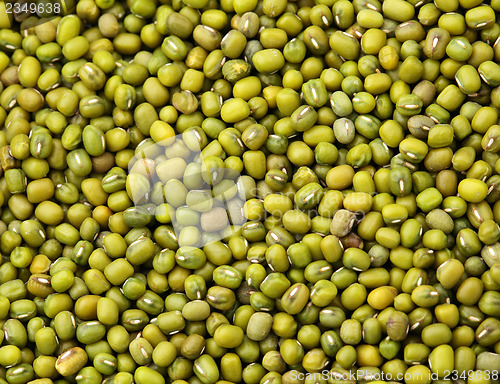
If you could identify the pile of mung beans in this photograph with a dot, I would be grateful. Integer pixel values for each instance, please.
(250, 191)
